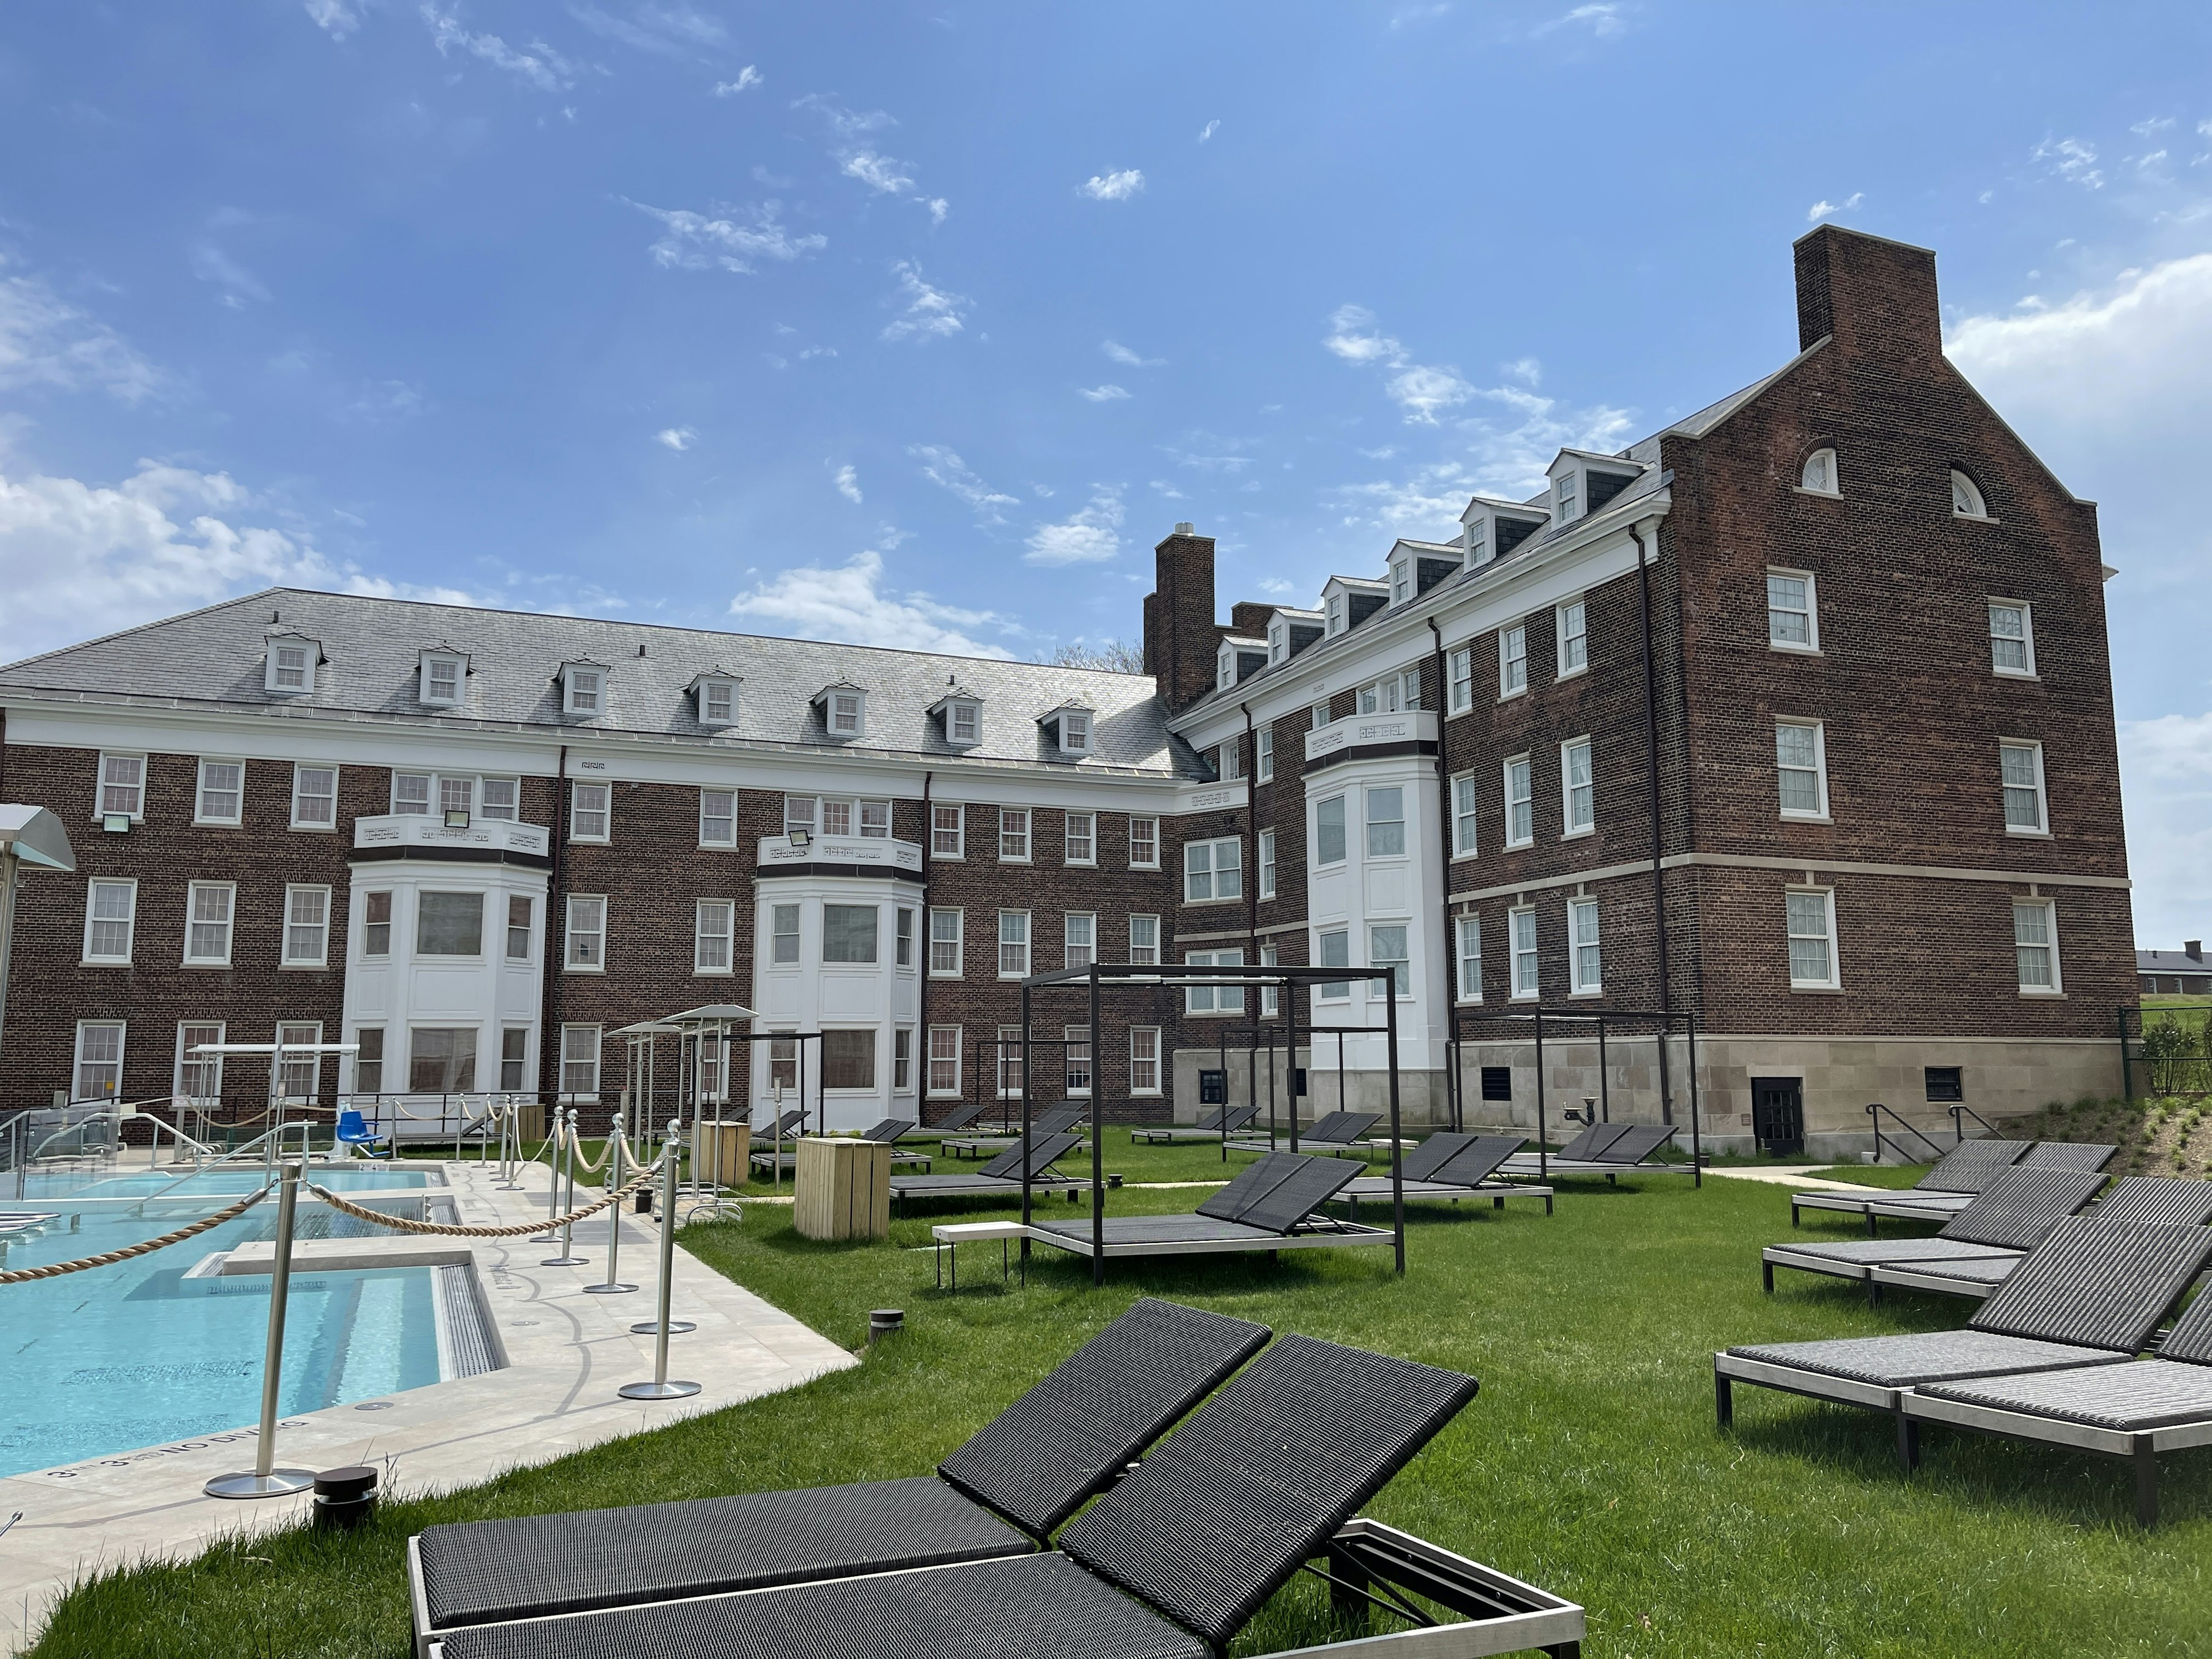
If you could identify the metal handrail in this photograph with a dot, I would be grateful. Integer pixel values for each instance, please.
(1875, 1110)
(1958, 1125)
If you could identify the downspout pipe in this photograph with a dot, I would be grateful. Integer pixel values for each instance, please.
(1651, 804)
(1450, 998)
(550, 1055)
(921, 965)
(1251, 897)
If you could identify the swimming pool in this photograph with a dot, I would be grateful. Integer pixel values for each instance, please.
(138, 1353)
(234, 1181)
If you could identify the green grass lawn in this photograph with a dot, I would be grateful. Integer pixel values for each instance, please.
(1589, 1463)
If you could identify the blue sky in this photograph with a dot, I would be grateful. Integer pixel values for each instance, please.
(919, 324)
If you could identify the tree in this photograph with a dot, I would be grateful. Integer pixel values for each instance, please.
(1112, 656)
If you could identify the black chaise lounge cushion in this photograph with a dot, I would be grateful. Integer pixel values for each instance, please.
(2175, 1201)
(2016, 1213)
(1592, 1141)
(2066, 1155)
(2153, 1394)
(888, 1131)
(1063, 1441)
(1280, 1191)
(1340, 1128)
(1635, 1144)
(1971, 1165)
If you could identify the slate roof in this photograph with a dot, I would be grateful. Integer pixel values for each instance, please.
(371, 649)
(2171, 962)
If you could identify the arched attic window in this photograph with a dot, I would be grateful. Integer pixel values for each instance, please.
(1819, 474)
(1967, 497)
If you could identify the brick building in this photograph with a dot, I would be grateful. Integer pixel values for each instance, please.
(1794, 719)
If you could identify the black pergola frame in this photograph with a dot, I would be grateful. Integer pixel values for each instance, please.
(1097, 976)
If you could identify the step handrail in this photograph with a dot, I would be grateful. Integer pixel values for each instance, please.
(1876, 1110)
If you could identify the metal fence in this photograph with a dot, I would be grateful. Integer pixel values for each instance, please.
(2166, 1051)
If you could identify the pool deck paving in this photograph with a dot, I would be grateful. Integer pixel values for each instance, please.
(567, 1352)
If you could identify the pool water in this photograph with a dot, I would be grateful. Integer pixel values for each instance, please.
(235, 1181)
(135, 1354)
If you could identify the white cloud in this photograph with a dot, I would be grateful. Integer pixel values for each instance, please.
(848, 483)
(1209, 131)
(944, 468)
(670, 31)
(1102, 394)
(1276, 585)
(931, 313)
(211, 265)
(1605, 21)
(1167, 490)
(2156, 124)
(850, 603)
(1087, 538)
(938, 206)
(1113, 186)
(46, 342)
(696, 242)
(748, 77)
(1353, 338)
(1527, 370)
(677, 438)
(1824, 209)
(844, 123)
(334, 17)
(2071, 160)
(539, 64)
(878, 173)
(1419, 389)
(379, 401)
(1121, 353)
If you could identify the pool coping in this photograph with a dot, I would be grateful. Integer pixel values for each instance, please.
(567, 1350)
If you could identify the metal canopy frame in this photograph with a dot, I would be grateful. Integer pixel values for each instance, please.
(1099, 977)
(696, 1024)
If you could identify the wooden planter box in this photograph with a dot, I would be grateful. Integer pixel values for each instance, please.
(842, 1188)
(721, 1153)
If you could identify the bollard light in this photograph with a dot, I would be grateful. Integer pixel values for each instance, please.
(883, 1322)
(345, 1498)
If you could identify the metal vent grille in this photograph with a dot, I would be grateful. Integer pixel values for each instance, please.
(469, 1340)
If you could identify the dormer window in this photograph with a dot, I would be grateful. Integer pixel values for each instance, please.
(1818, 475)
(1224, 672)
(718, 699)
(1279, 641)
(842, 712)
(441, 678)
(1967, 497)
(1402, 580)
(292, 664)
(964, 723)
(1565, 492)
(1071, 730)
(1476, 540)
(584, 690)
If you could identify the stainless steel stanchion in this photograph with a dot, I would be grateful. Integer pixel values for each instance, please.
(617, 1145)
(553, 1176)
(567, 1258)
(267, 1481)
(662, 1387)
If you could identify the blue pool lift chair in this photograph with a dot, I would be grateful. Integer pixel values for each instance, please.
(354, 1131)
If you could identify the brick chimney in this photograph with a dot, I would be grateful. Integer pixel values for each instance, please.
(1247, 619)
(1180, 632)
(1875, 296)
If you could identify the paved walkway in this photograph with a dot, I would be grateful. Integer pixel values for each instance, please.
(567, 1354)
(1794, 1177)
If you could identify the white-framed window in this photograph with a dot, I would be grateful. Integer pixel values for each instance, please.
(1819, 473)
(902, 937)
(1214, 998)
(122, 787)
(291, 667)
(1013, 1052)
(876, 820)
(1079, 939)
(1793, 615)
(442, 679)
(943, 1060)
(1144, 1059)
(714, 923)
(1402, 580)
(1585, 967)
(99, 1065)
(210, 909)
(1013, 834)
(718, 818)
(1335, 619)
(579, 1062)
(376, 924)
(1145, 941)
(502, 799)
(368, 1060)
(1513, 660)
(948, 832)
(586, 951)
(1392, 693)
(1225, 669)
(1967, 501)
(1811, 916)
(1267, 863)
(2012, 639)
(850, 932)
(1386, 821)
(1144, 843)
(307, 927)
(1333, 949)
(520, 912)
(1330, 845)
(1075, 1051)
(1572, 624)
(220, 799)
(1475, 539)
(457, 795)
(302, 1075)
(947, 939)
(1213, 870)
(314, 797)
(1263, 766)
(1075, 731)
(1567, 492)
(846, 713)
(514, 1058)
(584, 690)
(1465, 822)
(1081, 840)
(1014, 945)
(964, 724)
(2025, 808)
(2035, 946)
(410, 794)
(1271, 996)
(799, 812)
(718, 703)
(198, 1077)
(1520, 802)
(783, 935)
(903, 1060)
(1320, 712)
(110, 918)
(1521, 928)
(1386, 948)
(591, 812)
(1229, 761)
(1577, 788)
(1467, 933)
(783, 1066)
(1800, 769)
(449, 924)
(1461, 663)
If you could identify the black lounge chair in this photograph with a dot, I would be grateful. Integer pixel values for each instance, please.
(1611, 1149)
(2089, 1295)
(2043, 1155)
(1000, 1178)
(960, 1117)
(1068, 1438)
(1216, 1124)
(1171, 1563)
(1335, 1135)
(1453, 1166)
(887, 1133)
(2154, 1200)
(2016, 1215)
(785, 1128)
(1965, 1170)
(2136, 1411)
(1054, 1121)
(1275, 1203)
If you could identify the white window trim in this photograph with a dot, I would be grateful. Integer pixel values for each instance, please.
(1460, 658)
(1835, 980)
(1369, 824)
(1575, 986)
(1535, 991)
(2042, 788)
(100, 787)
(1067, 921)
(1463, 992)
(1028, 944)
(200, 820)
(1959, 476)
(184, 1059)
(959, 941)
(1569, 830)
(1504, 658)
(1820, 771)
(1134, 862)
(1474, 819)
(1811, 647)
(929, 1067)
(336, 782)
(85, 957)
(1066, 841)
(460, 665)
(569, 963)
(1153, 960)
(1263, 770)
(1220, 1010)
(718, 846)
(959, 811)
(1267, 863)
(569, 690)
(709, 684)
(1505, 783)
(230, 928)
(306, 1030)
(1070, 740)
(1028, 835)
(1343, 800)
(1833, 488)
(1157, 1062)
(311, 648)
(1559, 637)
(1332, 990)
(2057, 986)
(284, 956)
(2026, 638)
(561, 1073)
(953, 710)
(122, 1056)
(699, 936)
(576, 788)
(1214, 871)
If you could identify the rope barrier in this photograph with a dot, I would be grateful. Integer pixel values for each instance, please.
(54, 1270)
(455, 1231)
